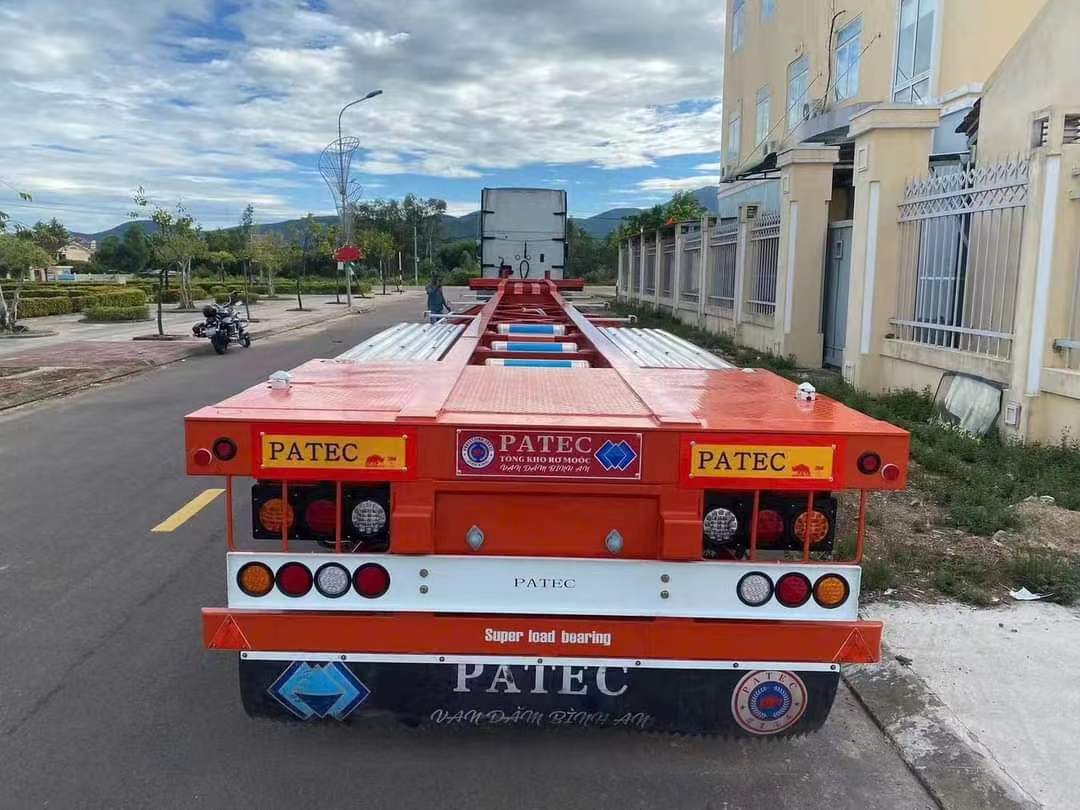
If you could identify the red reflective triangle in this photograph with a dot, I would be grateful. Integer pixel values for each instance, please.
(229, 637)
(855, 650)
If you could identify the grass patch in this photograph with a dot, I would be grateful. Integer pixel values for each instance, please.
(1042, 571)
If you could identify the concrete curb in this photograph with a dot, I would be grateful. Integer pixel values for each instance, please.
(950, 762)
(131, 372)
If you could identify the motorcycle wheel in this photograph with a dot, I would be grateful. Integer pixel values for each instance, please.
(245, 340)
(220, 343)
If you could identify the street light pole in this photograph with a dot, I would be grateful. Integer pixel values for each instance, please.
(343, 190)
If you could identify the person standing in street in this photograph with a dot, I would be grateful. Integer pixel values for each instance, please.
(436, 301)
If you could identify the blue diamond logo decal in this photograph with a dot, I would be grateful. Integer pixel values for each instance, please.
(615, 455)
(319, 690)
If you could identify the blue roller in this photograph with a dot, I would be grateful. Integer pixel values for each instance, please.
(532, 329)
(532, 348)
(523, 363)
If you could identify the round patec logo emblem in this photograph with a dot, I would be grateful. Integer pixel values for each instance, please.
(477, 452)
(768, 701)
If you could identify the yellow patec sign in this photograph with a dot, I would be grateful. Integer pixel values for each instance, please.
(333, 452)
(759, 461)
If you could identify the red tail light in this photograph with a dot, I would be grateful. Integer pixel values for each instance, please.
(792, 590)
(321, 517)
(770, 526)
(869, 463)
(225, 449)
(371, 580)
(294, 579)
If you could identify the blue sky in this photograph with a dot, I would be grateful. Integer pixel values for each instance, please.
(217, 104)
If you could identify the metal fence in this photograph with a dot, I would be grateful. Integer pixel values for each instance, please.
(764, 250)
(633, 258)
(690, 267)
(721, 270)
(667, 267)
(648, 284)
(960, 243)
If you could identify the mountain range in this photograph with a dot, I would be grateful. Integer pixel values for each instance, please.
(466, 226)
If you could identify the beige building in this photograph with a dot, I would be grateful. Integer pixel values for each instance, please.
(899, 202)
(76, 252)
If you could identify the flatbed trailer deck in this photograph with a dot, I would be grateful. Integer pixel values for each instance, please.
(547, 517)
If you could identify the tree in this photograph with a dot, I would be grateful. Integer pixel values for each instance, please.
(309, 239)
(175, 245)
(378, 245)
(459, 255)
(267, 251)
(107, 255)
(243, 251)
(220, 258)
(134, 252)
(50, 236)
(683, 206)
(587, 257)
(17, 257)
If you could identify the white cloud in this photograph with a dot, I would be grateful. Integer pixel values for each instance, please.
(669, 185)
(222, 111)
(460, 208)
(709, 167)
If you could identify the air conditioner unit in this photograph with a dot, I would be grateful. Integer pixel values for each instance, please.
(748, 213)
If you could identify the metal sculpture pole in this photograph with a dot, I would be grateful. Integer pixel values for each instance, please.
(334, 164)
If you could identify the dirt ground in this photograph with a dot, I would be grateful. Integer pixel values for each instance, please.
(913, 554)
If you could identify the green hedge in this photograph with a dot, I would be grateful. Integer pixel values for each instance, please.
(39, 307)
(117, 298)
(133, 313)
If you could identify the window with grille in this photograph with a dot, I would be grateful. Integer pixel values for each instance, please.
(761, 116)
(798, 82)
(734, 139)
(848, 45)
(914, 51)
(738, 23)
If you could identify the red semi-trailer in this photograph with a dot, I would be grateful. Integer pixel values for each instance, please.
(525, 514)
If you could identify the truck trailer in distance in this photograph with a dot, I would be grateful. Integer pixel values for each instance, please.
(523, 233)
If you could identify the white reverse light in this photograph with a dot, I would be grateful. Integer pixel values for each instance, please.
(720, 524)
(332, 580)
(368, 518)
(755, 589)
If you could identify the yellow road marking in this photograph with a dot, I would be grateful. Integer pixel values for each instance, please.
(187, 511)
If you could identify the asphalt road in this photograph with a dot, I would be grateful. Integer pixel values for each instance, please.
(107, 698)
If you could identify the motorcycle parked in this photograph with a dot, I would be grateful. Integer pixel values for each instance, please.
(223, 325)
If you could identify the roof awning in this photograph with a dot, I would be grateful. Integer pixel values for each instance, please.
(759, 171)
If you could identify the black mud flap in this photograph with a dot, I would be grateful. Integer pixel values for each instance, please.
(688, 701)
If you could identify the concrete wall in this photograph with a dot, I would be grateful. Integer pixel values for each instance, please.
(977, 35)
(1042, 70)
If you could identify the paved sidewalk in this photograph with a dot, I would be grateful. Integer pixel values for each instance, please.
(1006, 675)
(82, 354)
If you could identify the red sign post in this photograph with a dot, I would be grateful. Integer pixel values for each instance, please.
(348, 253)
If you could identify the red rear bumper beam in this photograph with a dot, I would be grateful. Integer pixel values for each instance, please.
(431, 634)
